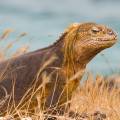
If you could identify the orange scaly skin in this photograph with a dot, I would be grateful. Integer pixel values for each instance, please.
(74, 49)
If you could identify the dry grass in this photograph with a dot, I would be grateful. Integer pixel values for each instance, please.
(4, 50)
(91, 100)
(95, 96)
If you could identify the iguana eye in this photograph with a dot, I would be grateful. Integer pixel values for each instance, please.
(95, 30)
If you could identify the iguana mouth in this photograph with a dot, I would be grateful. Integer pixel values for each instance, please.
(106, 41)
(114, 38)
(111, 40)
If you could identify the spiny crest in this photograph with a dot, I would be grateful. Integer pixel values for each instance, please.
(69, 42)
(80, 26)
(71, 27)
(67, 31)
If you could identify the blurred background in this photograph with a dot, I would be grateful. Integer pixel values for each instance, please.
(45, 20)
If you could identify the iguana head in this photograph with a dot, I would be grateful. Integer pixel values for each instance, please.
(83, 41)
(93, 35)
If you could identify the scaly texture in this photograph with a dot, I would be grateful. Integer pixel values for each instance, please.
(52, 74)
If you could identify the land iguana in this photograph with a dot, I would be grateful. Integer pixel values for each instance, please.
(53, 73)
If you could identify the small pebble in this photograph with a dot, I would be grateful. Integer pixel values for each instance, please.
(6, 118)
(26, 118)
(2, 118)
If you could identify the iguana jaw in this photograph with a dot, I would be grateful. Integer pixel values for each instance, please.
(99, 43)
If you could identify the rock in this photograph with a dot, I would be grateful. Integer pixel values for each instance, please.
(113, 81)
(26, 118)
(6, 118)
(99, 116)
